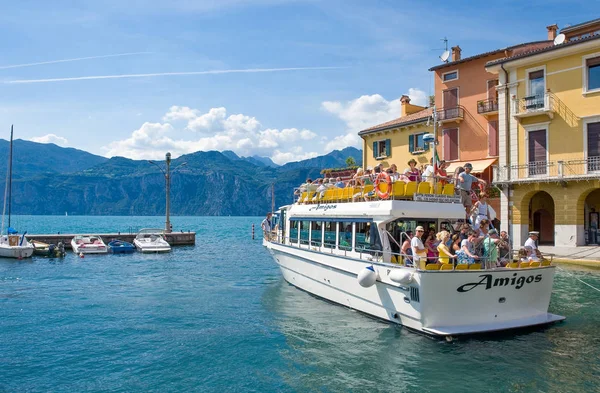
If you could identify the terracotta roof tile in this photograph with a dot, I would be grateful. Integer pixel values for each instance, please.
(543, 50)
(416, 117)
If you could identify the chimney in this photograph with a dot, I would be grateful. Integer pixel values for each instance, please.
(456, 53)
(404, 103)
(552, 29)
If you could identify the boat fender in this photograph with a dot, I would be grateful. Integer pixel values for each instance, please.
(81, 255)
(367, 277)
(401, 276)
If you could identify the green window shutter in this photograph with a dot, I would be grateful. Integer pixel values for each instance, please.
(374, 149)
(388, 147)
(411, 143)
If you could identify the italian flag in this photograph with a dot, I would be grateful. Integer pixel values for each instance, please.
(436, 160)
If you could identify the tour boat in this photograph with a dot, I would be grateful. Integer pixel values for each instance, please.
(151, 240)
(120, 247)
(342, 252)
(88, 244)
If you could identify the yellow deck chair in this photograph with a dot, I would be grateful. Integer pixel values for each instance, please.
(535, 264)
(545, 262)
(448, 189)
(398, 189)
(346, 194)
(447, 266)
(475, 266)
(432, 266)
(424, 188)
(523, 265)
(462, 266)
(513, 265)
(384, 187)
(367, 189)
(309, 197)
(439, 188)
(302, 197)
(410, 189)
(337, 195)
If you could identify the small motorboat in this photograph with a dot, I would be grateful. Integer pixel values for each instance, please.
(48, 250)
(151, 240)
(120, 247)
(88, 244)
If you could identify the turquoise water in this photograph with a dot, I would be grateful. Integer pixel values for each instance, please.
(218, 317)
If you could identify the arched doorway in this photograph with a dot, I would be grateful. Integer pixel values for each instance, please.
(592, 217)
(541, 216)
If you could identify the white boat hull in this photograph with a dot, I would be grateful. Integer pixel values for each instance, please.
(151, 247)
(435, 302)
(18, 252)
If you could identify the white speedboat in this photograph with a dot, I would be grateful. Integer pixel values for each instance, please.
(342, 252)
(151, 240)
(88, 244)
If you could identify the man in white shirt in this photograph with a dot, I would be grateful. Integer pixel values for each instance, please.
(418, 250)
(428, 173)
(266, 226)
(531, 242)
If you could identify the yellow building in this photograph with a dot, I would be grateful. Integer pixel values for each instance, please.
(549, 139)
(399, 140)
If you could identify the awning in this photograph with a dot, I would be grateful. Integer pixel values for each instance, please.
(478, 165)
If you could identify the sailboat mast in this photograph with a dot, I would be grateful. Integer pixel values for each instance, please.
(5, 193)
(10, 175)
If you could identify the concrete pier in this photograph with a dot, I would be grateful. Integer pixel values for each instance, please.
(173, 238)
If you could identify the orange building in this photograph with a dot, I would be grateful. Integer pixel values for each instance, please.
(467, 103)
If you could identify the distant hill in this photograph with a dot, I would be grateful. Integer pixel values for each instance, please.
(49, 179)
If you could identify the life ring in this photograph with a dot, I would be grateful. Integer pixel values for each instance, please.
(385, 177)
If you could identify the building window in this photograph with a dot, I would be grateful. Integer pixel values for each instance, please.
(537, 88)
(450, 76)
(593, 147)
(593, 73)
(538, 152)
(416, 144)
(450, 140)
(382, 149)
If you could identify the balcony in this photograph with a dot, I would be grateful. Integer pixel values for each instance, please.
(549, 171)
(487, 107)
(535, 105)
(449, 115)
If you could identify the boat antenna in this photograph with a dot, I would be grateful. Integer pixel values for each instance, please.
(10, 175)
(272, 197)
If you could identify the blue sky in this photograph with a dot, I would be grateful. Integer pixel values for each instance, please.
(352, 60)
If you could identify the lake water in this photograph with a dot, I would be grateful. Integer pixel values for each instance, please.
(218, 317)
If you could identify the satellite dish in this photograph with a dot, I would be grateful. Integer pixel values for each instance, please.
(559, 39)
(445, 56)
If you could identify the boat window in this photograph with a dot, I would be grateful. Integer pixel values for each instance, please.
(330, 229)
(316, 233)
(294, 231)
(362, 236)
(304, 231)
(345, 237)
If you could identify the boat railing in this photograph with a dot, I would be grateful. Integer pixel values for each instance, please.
(406, 260)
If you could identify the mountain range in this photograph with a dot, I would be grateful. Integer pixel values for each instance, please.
(49, 180)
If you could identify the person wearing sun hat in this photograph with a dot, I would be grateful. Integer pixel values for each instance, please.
(412, 172)
(532, 240)
(418, 249)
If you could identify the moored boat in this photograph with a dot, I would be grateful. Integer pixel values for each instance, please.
(343, 252)
(151, 240)
(48, 250)
(88, 244)
(120, 247)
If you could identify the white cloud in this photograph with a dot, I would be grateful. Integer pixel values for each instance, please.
(50, 138)
(364, 112)
(213, 130)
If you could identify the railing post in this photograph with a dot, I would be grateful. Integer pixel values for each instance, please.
(560, 168)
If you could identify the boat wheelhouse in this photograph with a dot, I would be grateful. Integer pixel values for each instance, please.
(343, 252)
